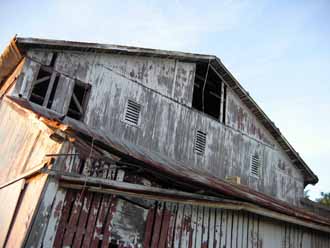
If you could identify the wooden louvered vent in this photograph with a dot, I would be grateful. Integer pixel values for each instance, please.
(200, 143)
(132, 113)
(255, 165)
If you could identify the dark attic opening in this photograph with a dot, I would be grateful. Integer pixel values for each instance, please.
(209, 94)
(44, 87)
(78, 101)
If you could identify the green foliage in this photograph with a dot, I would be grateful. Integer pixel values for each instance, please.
(306, 194)
(325, 199)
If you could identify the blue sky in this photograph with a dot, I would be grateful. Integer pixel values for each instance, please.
(278, 50)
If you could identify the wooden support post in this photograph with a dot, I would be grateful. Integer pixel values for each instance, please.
(49, 89)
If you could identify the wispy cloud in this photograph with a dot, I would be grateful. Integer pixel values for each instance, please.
(170, 25)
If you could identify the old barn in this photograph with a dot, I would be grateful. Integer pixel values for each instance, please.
(115, 146)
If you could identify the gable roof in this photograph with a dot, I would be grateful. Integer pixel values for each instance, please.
(24, 44)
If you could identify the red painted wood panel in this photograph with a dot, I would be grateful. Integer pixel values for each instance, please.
(92, 220)
(69, 199)
(165, 227)
(101, 221)
(73, 220)
(83, 220)
(157, 226)
(149, 226)
(108, 226)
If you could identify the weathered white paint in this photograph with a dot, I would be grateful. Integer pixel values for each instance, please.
(54, 219)
(164, 89)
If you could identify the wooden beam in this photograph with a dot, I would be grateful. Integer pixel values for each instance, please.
(223, 204)
(77, 103)
(106, 186)
(40, 80)
(49, 89)
(87, 180)
(27, 174)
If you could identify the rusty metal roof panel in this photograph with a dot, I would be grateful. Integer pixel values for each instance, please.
(161, 164)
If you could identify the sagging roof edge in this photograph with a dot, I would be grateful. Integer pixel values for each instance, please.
(73, 127)
(309, 176)
(9, 59)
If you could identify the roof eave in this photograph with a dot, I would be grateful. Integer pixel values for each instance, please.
(26, 43)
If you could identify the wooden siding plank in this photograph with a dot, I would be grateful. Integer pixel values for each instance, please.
(205, 229)
(223, 233)
(101, 220)
(229, 226)
(71, 227)
(194, 224)
(92, 220)
(178, 226)
(55, 217)
(157, 225)
(149, 227)
(186, 235)
(199, 230)
(165, 225)
(212, 222)
(26, 211)
(171, 229)
(234, 233)
(217, 231)
(43, 216)
(244, 237)
(69, 199)
(81, 227)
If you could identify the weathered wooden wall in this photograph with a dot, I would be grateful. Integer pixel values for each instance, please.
(24, 143)
(168, 123)
(25, 211)
(10, 196)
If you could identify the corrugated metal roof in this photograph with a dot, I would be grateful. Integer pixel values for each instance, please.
(161, 164)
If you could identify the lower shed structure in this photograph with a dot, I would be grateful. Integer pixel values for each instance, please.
(88, 190)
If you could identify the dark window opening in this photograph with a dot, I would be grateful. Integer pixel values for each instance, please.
(209, 92)
(44, 92)
(78, 100)
(40, 86)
